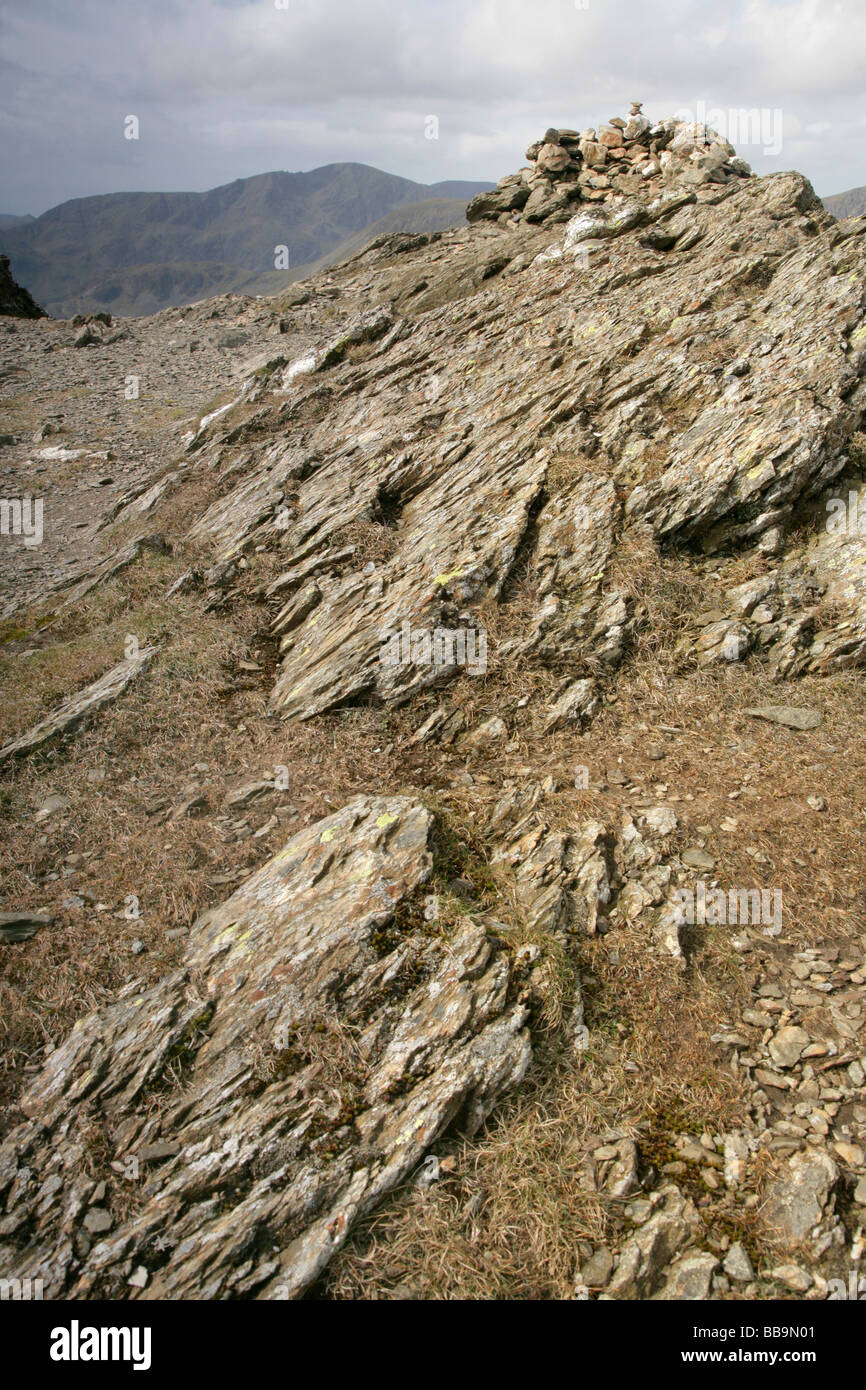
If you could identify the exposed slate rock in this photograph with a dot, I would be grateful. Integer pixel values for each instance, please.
(693, 396)
(322, 1057)
(80, 706)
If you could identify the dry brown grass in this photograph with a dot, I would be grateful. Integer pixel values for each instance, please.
(565, 469)
(372, 541)
(82, 643)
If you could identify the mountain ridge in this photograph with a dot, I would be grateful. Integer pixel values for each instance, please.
(74, 257)
(851, 203)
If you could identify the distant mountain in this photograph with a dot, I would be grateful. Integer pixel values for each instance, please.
(10, 219)
(850, 204)
(135, 253)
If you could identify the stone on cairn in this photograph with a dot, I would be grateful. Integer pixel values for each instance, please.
(629, 157)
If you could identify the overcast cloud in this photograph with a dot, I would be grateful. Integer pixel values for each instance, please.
(227, 88)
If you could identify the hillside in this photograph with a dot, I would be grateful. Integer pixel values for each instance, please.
(136, 253)
(433, 735)
(431, 215)
(850, 204)
(145, 289)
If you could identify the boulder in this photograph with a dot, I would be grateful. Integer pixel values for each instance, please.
(797, 1200)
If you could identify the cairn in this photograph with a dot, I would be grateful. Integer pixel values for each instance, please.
(630, 157)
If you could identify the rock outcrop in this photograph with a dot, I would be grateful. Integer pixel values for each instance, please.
(14, 300)
(81, 706)
(258, 1100)
(698, 377)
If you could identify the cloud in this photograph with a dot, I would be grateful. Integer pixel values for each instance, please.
(226, 88)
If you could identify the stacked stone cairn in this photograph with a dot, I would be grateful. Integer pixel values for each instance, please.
(625, 157)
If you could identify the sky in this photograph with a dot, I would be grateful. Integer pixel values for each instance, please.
(429, 89)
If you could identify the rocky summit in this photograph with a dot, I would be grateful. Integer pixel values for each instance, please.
(432, 820)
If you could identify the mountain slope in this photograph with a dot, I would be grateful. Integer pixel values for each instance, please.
(317, 889)
(849, 204)
(145, 289)
(82, 254)
(431, 215)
